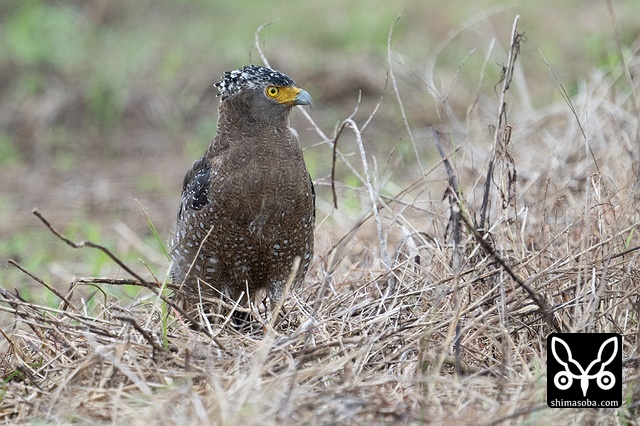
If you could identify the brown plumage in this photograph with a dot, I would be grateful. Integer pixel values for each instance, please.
(248, 205)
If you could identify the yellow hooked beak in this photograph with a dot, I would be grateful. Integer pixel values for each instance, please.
(302, 98)
(290, 96)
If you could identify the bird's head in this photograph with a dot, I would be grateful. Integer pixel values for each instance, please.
(262, 89)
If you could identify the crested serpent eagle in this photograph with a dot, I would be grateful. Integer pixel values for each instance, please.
(248, 205)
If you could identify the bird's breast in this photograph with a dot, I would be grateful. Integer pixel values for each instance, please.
(262, 184)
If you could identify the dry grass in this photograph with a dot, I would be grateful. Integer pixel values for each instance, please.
(426, 310)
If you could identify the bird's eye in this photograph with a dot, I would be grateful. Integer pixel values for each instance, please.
(272, 91)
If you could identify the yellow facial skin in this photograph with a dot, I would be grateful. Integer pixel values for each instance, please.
(288, 95)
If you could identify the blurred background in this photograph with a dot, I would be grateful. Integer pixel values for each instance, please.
(104, 104)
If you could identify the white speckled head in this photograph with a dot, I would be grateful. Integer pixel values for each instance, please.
(251, 77)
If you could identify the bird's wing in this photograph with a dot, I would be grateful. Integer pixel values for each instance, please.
(313, 202)
(195, 187)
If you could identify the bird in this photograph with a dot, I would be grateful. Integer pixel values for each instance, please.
(247, 209)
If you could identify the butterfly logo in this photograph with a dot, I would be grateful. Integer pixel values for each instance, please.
(564, 379)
